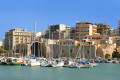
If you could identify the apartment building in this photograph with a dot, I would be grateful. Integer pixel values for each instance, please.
(85, 28)
(72, 33)
(16, 36)
(103, 29)
(57, 28)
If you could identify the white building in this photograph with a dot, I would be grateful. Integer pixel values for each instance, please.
(36, 34)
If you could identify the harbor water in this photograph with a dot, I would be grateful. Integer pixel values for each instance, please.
(105, 71)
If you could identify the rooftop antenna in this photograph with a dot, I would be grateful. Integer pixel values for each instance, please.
(35, 26)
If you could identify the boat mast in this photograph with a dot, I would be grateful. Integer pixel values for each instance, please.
(22, 44)
(38, 48)
(34, 36)
(9, 47)
(41, 46)
(3, 45)
(53, 45)
(83, 49)
(69, 44)
(32, 43)
(80, 50)
(90, 48)
(49, 41)
(78, 53)
(59, 43)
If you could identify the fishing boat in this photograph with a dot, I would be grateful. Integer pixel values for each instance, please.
(16, 61)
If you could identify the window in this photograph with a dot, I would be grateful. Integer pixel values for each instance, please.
(87, 51)
(71, 51)
(62, 51)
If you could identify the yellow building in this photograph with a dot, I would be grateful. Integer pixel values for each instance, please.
(16, 36)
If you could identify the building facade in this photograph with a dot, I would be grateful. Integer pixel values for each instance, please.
(85, 28)
(52, 29)
(16, 36)
(1, 43)
(72, 33)
(103, 29)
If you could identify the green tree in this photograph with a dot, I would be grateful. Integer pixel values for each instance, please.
(115, 54)
(107, 55)
(3, 51)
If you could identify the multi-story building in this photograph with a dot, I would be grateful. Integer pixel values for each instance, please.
(72, 33)
(52, 29)
(85, 28)
(45, 33)
(16, 36)
(103, 29)
(115, 32)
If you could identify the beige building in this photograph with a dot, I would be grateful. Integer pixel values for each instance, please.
(116, 39)
(104, 44)
(16, 36)
(103, 29)
(85, 28)
(98, 39)
(1, 43)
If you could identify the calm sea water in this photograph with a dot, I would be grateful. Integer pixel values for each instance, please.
(103, 72)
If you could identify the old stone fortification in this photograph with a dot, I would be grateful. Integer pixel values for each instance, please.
(66, 51)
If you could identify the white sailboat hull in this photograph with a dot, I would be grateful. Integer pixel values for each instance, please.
(60, 64)
(73, 66)
(35, 64)
(86, 66)
(94, 64)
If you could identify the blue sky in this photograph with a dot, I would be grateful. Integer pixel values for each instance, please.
(23, 13)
